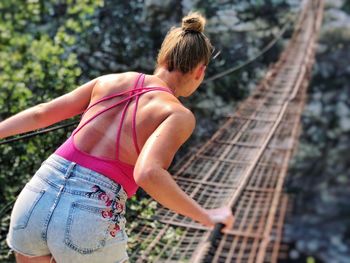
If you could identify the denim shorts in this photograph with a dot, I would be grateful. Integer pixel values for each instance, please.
(71, 212)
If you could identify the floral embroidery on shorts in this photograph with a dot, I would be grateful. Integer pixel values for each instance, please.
(114, 208)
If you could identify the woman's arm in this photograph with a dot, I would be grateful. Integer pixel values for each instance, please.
(151, 170)
(45, 114)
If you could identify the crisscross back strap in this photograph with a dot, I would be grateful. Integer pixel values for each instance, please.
(135, 92)
(138, 85)
(134, 118)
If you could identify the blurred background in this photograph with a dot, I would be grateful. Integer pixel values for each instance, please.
(48, 48)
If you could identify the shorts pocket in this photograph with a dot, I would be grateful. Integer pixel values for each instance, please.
(87, 230)
(24, 206)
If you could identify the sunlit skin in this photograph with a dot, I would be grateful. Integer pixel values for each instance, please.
(163, 124)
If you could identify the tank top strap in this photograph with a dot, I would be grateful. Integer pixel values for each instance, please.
(106, 98)
(108, 108)
(113, 95)
(134, 135)
(137, 87)
(139, 92)
(135, 92)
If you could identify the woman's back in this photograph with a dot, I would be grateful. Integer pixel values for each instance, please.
(123, 111)
(99, 136)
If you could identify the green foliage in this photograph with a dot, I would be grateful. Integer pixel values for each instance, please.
(171, 238)
(36, 64)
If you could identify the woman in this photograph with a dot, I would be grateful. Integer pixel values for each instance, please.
(73, 208)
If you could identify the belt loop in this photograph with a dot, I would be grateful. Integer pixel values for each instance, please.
(69, 170)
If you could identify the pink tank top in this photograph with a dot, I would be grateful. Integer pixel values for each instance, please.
(116, 170)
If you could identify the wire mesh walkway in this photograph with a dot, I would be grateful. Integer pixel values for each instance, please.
(243, 165)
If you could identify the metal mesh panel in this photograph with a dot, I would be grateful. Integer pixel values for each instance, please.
(157, 242)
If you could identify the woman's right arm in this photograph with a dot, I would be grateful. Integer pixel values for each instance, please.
(155, 158)
(45, 114)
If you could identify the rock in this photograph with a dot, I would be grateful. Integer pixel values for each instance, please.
(312, 246)
(337, 24)
(225, 20)
(315, 108)
(188, 5)
(334, 3)
(294, 254)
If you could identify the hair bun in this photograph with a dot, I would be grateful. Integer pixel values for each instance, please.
(193, 22)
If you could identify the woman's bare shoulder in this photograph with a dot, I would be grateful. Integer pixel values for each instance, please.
(112, 83)
(172, 106)
(117, 79)
(162, 104)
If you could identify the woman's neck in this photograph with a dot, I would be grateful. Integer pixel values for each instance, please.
(173, 80)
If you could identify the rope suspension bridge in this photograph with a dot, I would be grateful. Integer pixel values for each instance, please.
(243, 165)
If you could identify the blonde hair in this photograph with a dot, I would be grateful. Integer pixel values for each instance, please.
(185, 47)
